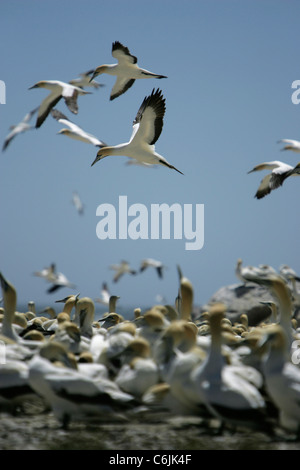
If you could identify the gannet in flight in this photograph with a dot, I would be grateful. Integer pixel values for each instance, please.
(23, 126)
(147, 128)
(121, 269)
(280, 171)
(58, 90)
(86, 81)
(77, 203)
(105, 295)
(59, 282)
(293, 145)
(126, 70)
(149, 262)
(49, 273)
(74, 131)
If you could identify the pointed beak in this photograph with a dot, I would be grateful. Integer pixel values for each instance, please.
(96, 159)
(92, 77)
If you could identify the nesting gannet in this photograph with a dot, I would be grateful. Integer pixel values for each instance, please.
(157, 265)
(68, 334)
(23, 126)
(147, 128)
(69, 302)
(111, 319)
(282, 378)
(9, 330)
(151, 325)
(126, 70)
(10, 302)
(74, 131)
(71, 394)
(121, 269)
(177, 355)
(186, 296)
(58, 90)
(85, 80)
(293, 145)
(231, 393)
(140, 372)
(84, 316)
(280, 172)
(77, 202)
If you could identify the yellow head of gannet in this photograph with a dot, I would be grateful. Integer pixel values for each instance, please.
(10, 302)
(84, 315)
(70, 302)
(187, 296)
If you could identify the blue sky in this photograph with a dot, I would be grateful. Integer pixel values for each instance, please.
(230, 67)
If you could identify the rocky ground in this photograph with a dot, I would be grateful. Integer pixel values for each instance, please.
(41, 431)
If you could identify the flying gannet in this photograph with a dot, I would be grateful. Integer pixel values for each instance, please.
(86, 81)
(280, 171)
(77, 203)
(58, 90)
(153, 263)
(293, 145)
(147, 128)
(48, 273)
(121, 269)
(23, 126)
(74, 131)
(126, 70)
(59, 282)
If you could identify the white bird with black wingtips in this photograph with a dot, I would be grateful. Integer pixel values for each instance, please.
(280, 172)
(126, 70)
(58, 90)
(147, 128)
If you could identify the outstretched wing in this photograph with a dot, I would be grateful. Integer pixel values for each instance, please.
(148, 123)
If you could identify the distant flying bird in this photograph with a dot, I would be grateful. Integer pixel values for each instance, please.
(78, 203)
(126, 70)
(58, 90)
(121, 269)
(59, 282)
(105, 295)
(48, 273)
(147, 128)
(280, 171)
(23, 126)
(293, 145)
(74, 131)
(149, 262)
(86, 81)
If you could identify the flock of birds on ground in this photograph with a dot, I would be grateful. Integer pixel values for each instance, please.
(164, 361)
